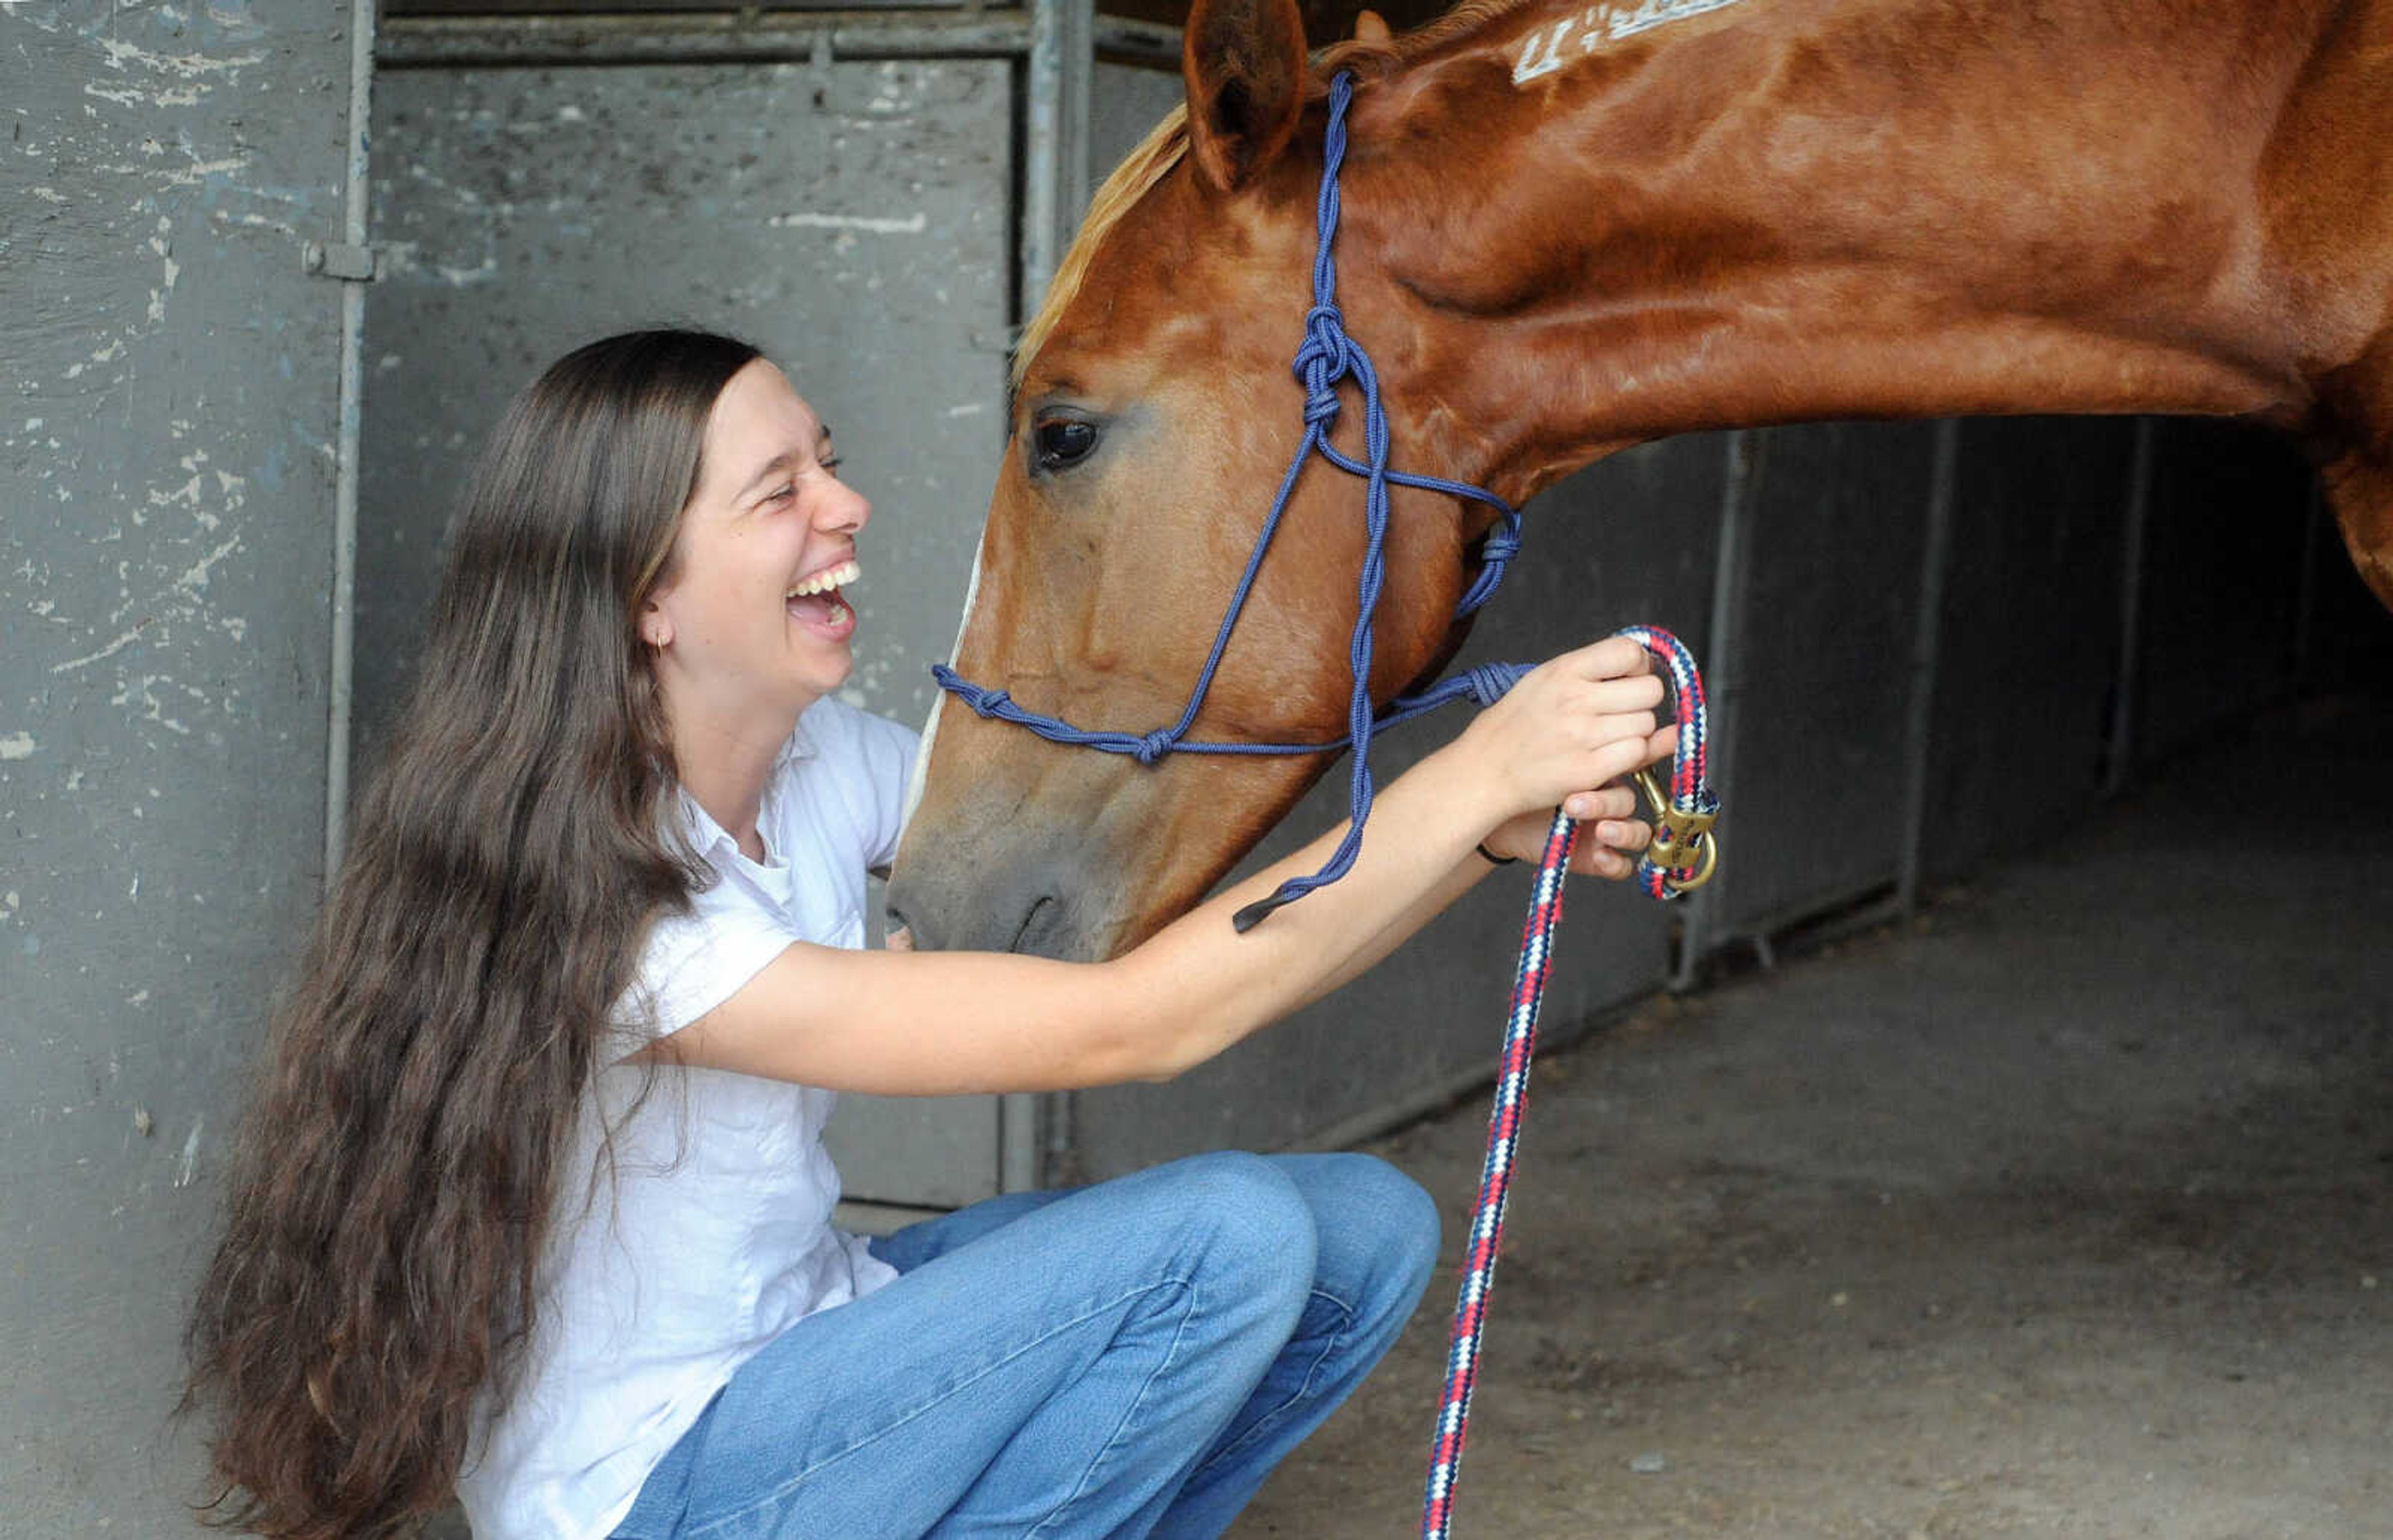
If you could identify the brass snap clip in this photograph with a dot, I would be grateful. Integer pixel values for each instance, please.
(1683, 842)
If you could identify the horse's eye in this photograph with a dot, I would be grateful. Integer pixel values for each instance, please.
(1060, 442)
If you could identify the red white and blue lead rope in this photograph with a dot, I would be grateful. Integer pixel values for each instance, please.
(1689, 792)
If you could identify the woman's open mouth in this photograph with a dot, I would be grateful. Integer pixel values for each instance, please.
(819, 604)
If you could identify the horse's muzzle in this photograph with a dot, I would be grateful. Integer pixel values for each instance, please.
(1025, 912)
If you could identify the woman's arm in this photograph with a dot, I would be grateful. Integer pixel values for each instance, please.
(943, 1023)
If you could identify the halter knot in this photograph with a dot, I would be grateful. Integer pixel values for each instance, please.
(1489, 681)
(1324, 358)
(1152, 746)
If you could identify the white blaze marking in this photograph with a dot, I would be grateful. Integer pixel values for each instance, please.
(940, 702)
(1547, 48)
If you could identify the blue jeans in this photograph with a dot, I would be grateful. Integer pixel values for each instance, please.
(1123, 1360)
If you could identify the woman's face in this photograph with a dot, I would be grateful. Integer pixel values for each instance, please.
(750, 619)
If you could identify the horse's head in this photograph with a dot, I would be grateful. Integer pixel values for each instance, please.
(1154, 415)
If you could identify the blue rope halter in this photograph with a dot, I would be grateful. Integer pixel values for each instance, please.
(1327, 356)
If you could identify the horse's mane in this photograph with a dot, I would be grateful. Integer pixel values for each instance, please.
(1167, 144)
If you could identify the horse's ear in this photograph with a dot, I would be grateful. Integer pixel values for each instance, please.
(1244, 62)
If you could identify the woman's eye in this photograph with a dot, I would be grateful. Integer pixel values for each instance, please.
(1060, 442)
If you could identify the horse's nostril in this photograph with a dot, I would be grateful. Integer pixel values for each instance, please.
(1037, 925)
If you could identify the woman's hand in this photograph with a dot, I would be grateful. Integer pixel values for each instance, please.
(1607, 847)
(1569, 730)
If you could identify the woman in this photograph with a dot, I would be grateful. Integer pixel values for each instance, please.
(531, 1203)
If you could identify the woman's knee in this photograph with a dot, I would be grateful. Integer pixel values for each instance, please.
(1372, 1220)
(1255, 1230)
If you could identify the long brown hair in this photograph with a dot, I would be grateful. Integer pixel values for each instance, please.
(391, 1189)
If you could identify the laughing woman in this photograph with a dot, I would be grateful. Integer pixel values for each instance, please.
(531, 1204)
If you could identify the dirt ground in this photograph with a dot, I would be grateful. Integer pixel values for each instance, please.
(2065, 1208)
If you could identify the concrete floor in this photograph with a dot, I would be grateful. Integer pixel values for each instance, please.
(2065, 1208)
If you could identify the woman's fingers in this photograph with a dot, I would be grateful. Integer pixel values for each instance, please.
(1612, 657)
(1586, 719)
(1624, 728)
(1609, 846)
(1630, 835)
(1611, 693)
(1608, 864)
(1607, 802)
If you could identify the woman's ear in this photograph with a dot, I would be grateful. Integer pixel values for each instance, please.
(1244, 63)
(656, 626)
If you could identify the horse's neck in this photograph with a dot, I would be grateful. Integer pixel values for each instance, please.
(1645, 218)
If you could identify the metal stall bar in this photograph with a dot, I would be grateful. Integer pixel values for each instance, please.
(2131, 606)
(1696, 936)
(1055, 149)
(1034, 1131)
(1927, 650)
(750, 37)
(1152, 43)
(353, 268)
(427, 42)
(2318, 530)
(1798, 604)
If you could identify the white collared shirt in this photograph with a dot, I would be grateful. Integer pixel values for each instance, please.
(715, 1235)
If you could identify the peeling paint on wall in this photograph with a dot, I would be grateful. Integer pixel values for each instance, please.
(913, 223)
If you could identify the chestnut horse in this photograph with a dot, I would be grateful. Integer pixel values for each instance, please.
(1572, 228)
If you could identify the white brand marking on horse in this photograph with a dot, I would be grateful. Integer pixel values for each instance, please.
(1542, 52)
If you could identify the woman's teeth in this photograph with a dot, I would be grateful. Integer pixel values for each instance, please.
(824, 581)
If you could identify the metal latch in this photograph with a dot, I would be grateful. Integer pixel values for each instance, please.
(327, 259)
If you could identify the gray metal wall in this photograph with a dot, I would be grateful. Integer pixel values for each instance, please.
(167, 477)
(2028, 647)
(2219, 629)
(1813, 689)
